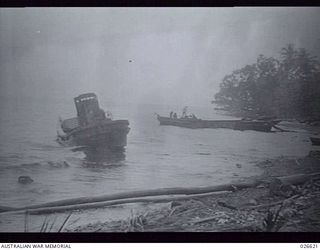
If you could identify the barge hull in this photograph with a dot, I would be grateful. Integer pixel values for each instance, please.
(112, 134)
(228, 124)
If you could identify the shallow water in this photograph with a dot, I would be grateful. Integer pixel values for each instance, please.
(156, 156)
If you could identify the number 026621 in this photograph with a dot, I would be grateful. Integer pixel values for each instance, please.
(310, 245)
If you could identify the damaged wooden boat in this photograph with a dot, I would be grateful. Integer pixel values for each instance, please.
(92, 127)
(195, 123)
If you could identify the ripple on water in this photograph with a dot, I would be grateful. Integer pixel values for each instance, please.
(156, 156)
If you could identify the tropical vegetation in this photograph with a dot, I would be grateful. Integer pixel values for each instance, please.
(288, 86)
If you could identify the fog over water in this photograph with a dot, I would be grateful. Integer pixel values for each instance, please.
(141, 55)
(138, 61)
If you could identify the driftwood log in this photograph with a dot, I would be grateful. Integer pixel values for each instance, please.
(113, 199)
(281, 129)
(283, 186)
(298, 178)
(168, 194)
(151, 199)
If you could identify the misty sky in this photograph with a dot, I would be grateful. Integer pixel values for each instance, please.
(141, 55)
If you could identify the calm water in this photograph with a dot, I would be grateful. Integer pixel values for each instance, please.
(156, 156)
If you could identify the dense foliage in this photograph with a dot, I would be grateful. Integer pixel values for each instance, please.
(284, 87)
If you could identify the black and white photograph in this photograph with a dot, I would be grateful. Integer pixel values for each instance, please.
(148, 119)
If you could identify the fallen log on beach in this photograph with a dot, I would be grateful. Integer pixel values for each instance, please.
(156, 196)
(298, 178)
(136, 194)
(152, 199)
(281, 129)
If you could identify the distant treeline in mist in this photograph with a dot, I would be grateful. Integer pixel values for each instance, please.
(285, 87)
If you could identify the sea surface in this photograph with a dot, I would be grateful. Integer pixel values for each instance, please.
(155, 157)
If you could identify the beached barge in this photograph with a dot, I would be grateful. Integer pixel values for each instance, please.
(92, 127)
(195, 123)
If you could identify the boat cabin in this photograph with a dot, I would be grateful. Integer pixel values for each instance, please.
(88, 110)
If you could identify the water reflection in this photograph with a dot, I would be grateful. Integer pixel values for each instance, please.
(103, 157)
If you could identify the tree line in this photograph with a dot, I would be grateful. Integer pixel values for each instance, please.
(287, 87)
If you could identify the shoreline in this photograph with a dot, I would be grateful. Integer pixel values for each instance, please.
(226, 211)
(242, 210)
(247, 210)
